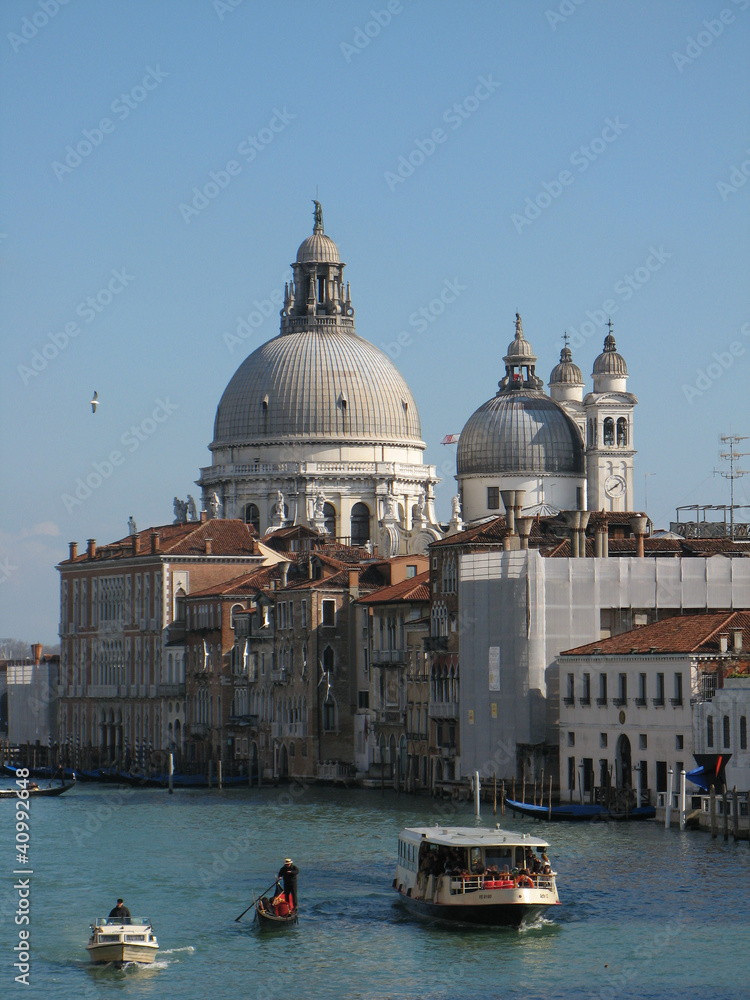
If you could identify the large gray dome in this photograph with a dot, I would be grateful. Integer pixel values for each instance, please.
(518, 433)
(318, 384)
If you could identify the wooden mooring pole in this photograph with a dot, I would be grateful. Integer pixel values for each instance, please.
(735, 814)
(712, 812)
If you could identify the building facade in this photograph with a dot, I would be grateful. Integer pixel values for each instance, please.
(122, 669)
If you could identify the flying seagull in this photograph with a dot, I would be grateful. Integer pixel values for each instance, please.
(94, 402)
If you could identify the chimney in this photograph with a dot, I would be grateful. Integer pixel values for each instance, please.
(134, 543)
(90, 548)
(518, 504)
(639, 525)
(601, 542)
(36, 653)
(73, 546)
(736, 640)
(354, 583)
(585, 515)
(573, 517)
(284, 570)
(209, 545)
(204, 516)
(155, 542)
(723, 643)
(509, 500)
(524, 530)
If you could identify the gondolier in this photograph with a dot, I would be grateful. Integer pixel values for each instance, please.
(289, 875)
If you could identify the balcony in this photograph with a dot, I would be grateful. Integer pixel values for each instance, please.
(443, 710)
(447, 751)
(569, 701)
(170, 690)
(388, 656)
(619, 702)
(279, 676)
(676, 702)
(602, 702)
(391, 717)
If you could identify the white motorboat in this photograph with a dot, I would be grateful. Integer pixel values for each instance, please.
(474, 875)
(119, 943)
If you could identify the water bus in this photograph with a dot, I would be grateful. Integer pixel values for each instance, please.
(474, 875)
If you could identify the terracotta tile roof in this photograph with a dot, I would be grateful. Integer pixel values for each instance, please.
(679, 634)
(228, 538)
(489, 532)
(417, 588)
(241, 586)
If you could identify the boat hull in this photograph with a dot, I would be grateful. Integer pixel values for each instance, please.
(579, 813)
(506, 914)
(269, 921)
(120, 954)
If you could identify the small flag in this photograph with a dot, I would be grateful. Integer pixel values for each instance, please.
(450, 439)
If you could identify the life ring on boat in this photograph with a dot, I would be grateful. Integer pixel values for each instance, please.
(524, 880)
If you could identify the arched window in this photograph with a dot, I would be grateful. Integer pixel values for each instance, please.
(251, 516)
(622, 432)
(329, 518)
(360, 524)
(609, 431)
(726, 734)
(329, 714)
(328, 660)
(179, 605)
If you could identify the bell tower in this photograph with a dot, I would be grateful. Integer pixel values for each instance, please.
(609, 433)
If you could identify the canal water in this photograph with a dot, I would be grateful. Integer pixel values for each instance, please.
(645, 913)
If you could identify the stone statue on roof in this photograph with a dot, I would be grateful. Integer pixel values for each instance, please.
(192, 511)
(180, 511)
(318, 213)
(214, 505)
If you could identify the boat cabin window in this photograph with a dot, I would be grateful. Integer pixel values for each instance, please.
(499, 857)
(475, 859)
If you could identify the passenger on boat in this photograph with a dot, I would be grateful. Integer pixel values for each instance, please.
(119, 914)
(289, 874)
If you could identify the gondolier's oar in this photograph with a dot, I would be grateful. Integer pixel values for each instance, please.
(271, 886)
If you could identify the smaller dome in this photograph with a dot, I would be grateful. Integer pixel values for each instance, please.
(318, 248)
(609, 361)
(519, 347)
(566, 373)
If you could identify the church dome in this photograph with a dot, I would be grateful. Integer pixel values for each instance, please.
(519, 433)
(566, 372)
(318, 249)
(317, 384)
(609, 361)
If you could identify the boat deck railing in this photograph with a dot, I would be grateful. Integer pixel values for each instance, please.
(473, 883)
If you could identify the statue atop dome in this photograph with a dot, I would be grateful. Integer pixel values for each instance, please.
(318, 214)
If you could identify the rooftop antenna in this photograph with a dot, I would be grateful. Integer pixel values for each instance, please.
(732, 456)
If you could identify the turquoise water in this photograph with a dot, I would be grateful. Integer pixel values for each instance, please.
(645, 913)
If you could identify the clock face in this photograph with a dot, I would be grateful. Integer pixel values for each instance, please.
(614, 486)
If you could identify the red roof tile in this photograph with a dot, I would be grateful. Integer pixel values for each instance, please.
(679, 634)
(414, 589)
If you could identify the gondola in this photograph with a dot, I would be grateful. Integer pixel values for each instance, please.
(576, 812)
(12, 793)
(266, 917)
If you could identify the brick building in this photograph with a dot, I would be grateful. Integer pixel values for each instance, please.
(122, 671)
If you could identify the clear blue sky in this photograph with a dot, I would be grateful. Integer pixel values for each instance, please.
(308, 96)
